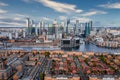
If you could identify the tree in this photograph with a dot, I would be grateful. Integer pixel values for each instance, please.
(86, 60)
(47, 54)
(42, 76)
(102, 58)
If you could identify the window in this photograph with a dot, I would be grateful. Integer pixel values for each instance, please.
(66, 42)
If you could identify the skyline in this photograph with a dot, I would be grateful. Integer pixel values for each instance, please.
(102, 13)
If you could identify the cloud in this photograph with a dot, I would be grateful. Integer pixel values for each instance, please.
(3, 4)
(2, 11)
(62, 17)
(46, 18)
(81, 19)
(79, 11)
(20, 15)
(11, 24)
(27, 1)
(95, 12)
(15, 18)
(60, 7)
(12, 20)
(111, 5)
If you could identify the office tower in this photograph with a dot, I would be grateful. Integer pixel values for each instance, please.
(28, 25)
(16, 34)
(55, 23)
(74, 28)
(81, 28)
(68, 22)
(36, 29)
(51, 29)
(10, 35)
(55, 27)
(32, 22)
(89, 28)
(32, 25)
(24, 34)
(91, 25)
(43, 25)
(40, 29)
(77, 27)
(62, 26)
(86, 30)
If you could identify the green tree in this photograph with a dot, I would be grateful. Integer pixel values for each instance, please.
(47, 54)
(42, 76)
(102, 58)
(86, 60)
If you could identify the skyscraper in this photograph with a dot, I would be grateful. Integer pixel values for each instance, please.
(36, 29)
(39, 25)
(43, 25)
(24, 33)
(81, 28)
(87, 29)
(55, 25)
(51, 29)
(10, 35)
(91, 25)
(28, 25)
(68, 22)
(77, 27)
(16, 34)
(62, 27)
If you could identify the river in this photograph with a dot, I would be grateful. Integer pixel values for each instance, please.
(83, 47)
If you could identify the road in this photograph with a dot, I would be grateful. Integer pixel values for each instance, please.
(81, 74)
(42, 69)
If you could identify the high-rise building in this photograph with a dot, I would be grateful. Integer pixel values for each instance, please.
(68, 22)
(24, 34)
(36, 29)
(76, 27)
(10, 35)
(51, 29)
(81, 28)
(61, 27)
(16, 34)
(62, 24)
(91, 25)
(40, 28)
(87, 29)
(28, 25)
(43, 25)
(55, 25)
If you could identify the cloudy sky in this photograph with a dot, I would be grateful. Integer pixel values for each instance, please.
(102, 12)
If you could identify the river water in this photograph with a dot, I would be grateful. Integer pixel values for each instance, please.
(83, 47)
(91, 47)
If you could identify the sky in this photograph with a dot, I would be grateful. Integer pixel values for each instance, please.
(103, 13)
